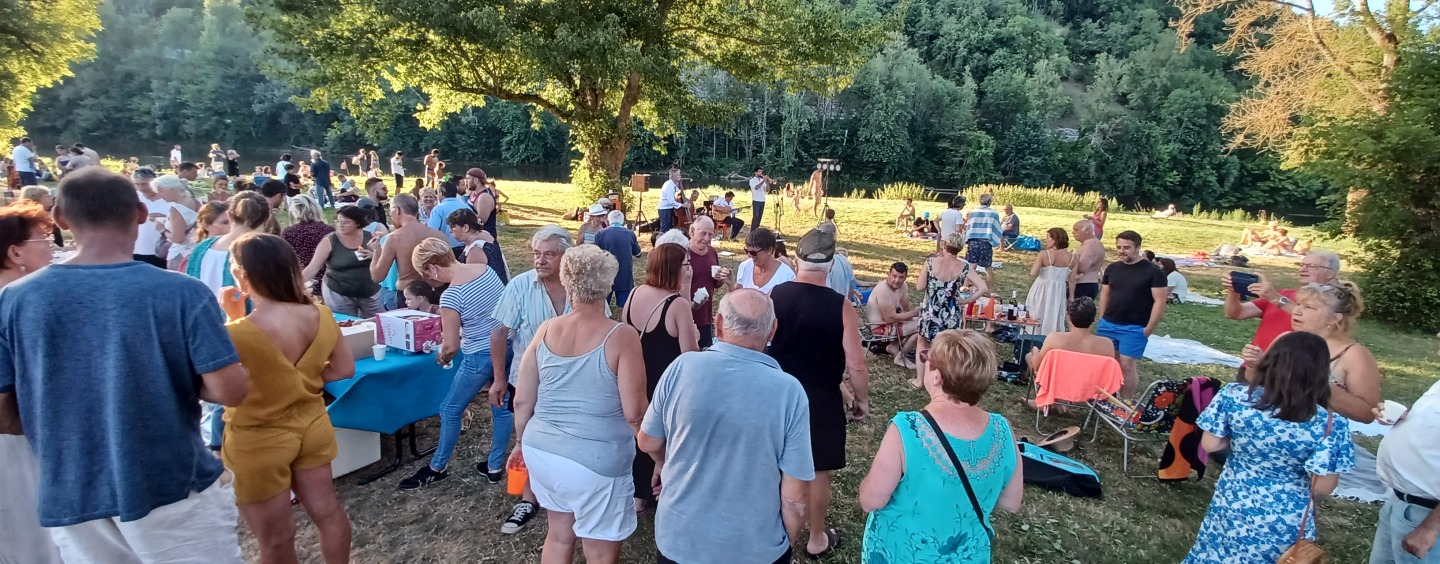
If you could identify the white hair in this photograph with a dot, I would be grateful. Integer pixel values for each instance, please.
(552, 231)
(617, 217)
(314, 154)
(807, 266)
(171, 182)
(1332, 260)
(675, 236)
(742, 320)
(986, 198)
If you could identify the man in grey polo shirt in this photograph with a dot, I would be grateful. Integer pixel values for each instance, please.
(730, 434)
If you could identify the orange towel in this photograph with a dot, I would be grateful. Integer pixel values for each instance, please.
(1072, 376)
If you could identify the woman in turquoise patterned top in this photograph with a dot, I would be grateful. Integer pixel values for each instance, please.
(919, 511)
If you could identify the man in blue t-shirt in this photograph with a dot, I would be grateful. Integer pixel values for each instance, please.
(109, 359)
(620, 242)
(453, 201)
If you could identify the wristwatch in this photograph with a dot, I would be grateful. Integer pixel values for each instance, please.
(1282, 302)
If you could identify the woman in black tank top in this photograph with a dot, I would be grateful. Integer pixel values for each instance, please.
(666, 331)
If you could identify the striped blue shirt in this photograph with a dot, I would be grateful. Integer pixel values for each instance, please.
(984, 225)
(475, 302)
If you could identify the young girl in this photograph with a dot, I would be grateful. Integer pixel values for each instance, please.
(1285, 447)
(279, 439)
(420, 296)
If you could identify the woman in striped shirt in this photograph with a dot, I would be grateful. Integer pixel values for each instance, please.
(466, 304)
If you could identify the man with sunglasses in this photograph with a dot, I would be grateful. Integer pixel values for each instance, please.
(1273, 307)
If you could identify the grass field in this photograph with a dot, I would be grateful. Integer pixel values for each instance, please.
(1138, 521)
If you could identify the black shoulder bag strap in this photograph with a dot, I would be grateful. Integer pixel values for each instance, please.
(964, 479)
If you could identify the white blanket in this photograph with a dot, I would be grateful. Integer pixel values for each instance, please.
(1166, 350)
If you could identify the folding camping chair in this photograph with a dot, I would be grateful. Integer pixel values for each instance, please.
(1148, 420)
(1096, 373)
(868, 339)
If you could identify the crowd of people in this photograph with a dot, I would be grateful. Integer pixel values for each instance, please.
(717, 400)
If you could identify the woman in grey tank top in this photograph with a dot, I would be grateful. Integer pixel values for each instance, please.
(579, 399)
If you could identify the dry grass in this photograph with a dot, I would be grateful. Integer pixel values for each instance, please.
(1139, 520)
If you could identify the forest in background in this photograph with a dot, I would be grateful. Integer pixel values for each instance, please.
(1096, 95)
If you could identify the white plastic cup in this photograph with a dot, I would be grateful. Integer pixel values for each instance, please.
(378, 351)
(715, 271)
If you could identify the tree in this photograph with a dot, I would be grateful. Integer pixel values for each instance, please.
(38, 41)
(1305, 62)
(1396, 157)
(597, 66)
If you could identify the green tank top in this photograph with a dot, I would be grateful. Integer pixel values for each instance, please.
(345, 273)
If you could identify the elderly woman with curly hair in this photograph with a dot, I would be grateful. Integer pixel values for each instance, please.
(579, 399)
(25, 247)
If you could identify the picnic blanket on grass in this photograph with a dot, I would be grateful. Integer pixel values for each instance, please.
(1168, 350)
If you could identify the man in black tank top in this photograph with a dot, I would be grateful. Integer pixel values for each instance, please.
(816, 341)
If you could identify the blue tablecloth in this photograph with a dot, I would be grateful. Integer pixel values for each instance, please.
(385, 396)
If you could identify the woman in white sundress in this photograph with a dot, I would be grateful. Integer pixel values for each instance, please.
(1051, 289)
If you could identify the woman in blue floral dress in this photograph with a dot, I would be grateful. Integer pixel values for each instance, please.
(942, 277)
(919, 509)
(1280, 437)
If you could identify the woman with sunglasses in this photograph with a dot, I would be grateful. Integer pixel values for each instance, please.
(763, 270)
(25, 246)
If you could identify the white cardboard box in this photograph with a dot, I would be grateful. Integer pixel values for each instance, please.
(360, 337)
(358, 449)
(409, 330)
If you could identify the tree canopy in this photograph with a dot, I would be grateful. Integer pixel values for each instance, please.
(600, 67)
(38, 40)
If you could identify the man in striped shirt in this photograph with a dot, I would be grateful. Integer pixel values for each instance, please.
(982, 236)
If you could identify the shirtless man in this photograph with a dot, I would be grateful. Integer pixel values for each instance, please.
(1089, 260)
(890, 313)
(400, 244)
(1081, 314)
(817, 190)
(1251, 236)
(432, 169)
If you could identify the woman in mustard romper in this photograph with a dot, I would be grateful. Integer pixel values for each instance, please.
(279, 439)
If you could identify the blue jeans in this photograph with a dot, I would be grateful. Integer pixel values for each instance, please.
(28, 179)
(389, 299)
(621, 293)
(475, 374)
(324, 194)
(757, 213)
(667, 220)
(1397, 519)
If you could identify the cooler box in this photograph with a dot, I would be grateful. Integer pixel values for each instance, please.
(409, 330)
(358, 449)
(359, 336)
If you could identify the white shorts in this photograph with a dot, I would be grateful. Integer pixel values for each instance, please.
(199, 528)
(604, 507)
(21, 537)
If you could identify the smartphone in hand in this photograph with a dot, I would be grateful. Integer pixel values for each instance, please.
(1241, 282)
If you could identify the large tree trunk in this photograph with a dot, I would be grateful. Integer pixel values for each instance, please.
(597, 172)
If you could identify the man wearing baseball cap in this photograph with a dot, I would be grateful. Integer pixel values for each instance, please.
(817, 340)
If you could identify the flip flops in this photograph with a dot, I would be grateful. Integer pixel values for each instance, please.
(1059, 441)
(832, 538)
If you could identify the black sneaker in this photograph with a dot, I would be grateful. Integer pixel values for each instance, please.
(519, 516)
(423, 477)
(483, 467)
